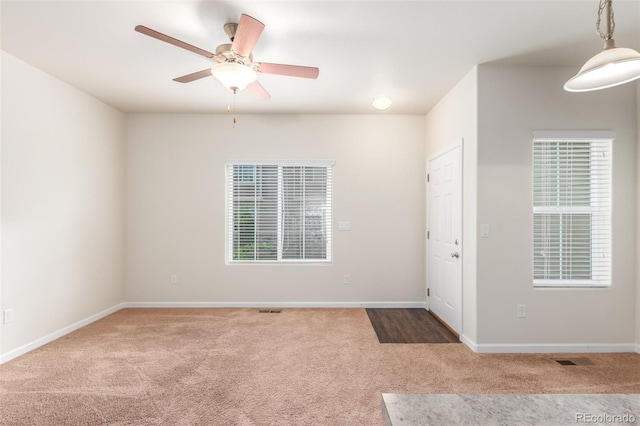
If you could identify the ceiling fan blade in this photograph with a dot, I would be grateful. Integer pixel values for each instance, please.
(168, 39)
(258, 91)
(290, 70)
(247, 35)
(194, 76)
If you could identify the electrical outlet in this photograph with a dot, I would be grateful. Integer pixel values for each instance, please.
(521, 311)
(346, 280)
(174, 279)
(8, 316)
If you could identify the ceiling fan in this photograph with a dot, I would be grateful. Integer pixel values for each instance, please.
(234, 66)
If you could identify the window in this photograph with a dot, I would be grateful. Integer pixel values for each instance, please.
(278, 212)
(572, 208)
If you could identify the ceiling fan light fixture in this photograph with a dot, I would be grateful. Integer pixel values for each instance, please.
(234, 76)
(612, 66)
(382, 102)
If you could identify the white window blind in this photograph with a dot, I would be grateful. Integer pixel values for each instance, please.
(279, 212)
(571, 211)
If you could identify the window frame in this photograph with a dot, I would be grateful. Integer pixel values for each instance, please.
(596, 233)
(328, 164)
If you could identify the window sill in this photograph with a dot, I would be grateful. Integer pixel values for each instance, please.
(279, 263)
(570, 285)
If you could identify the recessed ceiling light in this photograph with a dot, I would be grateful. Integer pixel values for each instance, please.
(381, 102)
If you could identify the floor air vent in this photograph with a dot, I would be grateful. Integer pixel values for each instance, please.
(574, 361)
(269, 311)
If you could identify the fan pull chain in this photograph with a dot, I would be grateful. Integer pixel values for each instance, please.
(234, 91)
(234, 107)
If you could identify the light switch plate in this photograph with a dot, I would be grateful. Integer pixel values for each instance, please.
(484, 230)
(344, 226)
(8, 316)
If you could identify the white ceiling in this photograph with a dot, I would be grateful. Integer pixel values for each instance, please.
(413, 51)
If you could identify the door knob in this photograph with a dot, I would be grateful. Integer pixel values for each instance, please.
(456, 255)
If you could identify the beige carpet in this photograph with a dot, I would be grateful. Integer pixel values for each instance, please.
(241, 367)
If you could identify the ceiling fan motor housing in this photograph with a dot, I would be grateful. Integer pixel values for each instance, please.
(225, 54)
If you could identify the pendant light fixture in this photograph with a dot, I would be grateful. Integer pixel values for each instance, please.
(611, 67)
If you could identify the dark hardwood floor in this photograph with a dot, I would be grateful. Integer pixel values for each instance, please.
(414, 325)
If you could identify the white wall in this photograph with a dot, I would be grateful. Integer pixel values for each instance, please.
(512, 103)
(638, 208)
(62, 204)
(637, 218)
(453, 118)
(175, 221)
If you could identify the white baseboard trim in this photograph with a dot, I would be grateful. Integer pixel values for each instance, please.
(549, 348)
(57, 334)
(274, 305)
(638, 348)
(470, 343)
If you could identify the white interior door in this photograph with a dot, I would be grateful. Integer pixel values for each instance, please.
(444, 243)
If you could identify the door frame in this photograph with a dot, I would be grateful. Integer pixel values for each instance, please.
(457, 144)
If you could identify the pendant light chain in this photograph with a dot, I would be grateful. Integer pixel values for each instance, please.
(611, 24)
